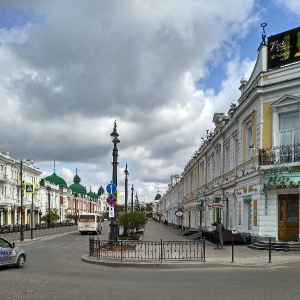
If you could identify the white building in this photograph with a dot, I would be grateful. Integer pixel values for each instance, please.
(247, 170)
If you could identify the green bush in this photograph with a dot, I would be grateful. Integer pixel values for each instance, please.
(53, 217)
(132, 220)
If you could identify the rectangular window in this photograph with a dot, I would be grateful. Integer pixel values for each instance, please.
(217, 164)
(249, 143)
(236, 153)
(226, 159)
(289, 128)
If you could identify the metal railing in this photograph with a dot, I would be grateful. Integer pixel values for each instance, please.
(148, 250)
(281, 154)
(26, 227)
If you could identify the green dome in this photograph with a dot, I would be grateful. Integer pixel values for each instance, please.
(76, 187)
(157, 197)
(54, 179)
(100, 191)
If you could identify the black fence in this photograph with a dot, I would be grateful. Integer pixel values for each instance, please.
(148, 250)
(281, 154)
(26, 227)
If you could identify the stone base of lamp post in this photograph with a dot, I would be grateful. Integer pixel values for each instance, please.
(113, 235)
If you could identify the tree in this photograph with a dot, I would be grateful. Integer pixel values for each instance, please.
(132, 220)
(53, 217)
(149, 206)
(72, 217)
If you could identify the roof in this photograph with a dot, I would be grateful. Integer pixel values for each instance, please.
(76, 187)
(54, 179)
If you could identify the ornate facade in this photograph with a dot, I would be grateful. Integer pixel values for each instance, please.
(247, 170)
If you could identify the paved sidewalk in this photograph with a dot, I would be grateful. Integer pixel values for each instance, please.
(241, 253)
(237, 256)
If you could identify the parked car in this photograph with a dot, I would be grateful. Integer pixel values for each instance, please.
(11, 255)
(69, 221)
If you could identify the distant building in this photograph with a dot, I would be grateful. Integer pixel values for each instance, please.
(50, 191)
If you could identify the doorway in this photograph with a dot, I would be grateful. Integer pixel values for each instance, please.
(288, 217)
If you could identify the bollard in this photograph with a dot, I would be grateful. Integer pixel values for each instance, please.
(270, 245)
(161, 250)
(232, 250)
(204, 250)
(91, 246)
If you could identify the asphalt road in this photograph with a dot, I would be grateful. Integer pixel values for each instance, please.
(54, 270)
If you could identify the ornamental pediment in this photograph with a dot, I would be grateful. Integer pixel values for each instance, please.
(286, 103)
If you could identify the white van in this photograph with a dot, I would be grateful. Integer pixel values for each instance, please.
(89, 222)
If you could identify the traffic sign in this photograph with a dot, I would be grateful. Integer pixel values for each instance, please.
(111, 200)
(111, 188)
(29, 188)
(111, 213)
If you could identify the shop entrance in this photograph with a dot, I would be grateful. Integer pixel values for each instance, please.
(288, 217)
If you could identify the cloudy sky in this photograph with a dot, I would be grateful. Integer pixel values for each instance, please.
(161, 69)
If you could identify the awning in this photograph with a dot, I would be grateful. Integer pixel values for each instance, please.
(287, 179)
(247, 198)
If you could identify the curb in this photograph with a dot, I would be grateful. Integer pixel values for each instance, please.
(175, 265)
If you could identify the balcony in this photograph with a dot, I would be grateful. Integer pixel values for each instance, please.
(279, 155)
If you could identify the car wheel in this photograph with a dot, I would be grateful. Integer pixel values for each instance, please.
(21, 261)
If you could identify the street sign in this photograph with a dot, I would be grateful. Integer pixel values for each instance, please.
(111, 212)
(29, 188)
(111, 200)
(111, 188)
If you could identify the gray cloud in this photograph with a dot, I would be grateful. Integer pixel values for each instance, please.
(77, 66)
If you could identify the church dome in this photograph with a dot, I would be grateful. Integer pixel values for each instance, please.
(101, 191)
(54, 179)
(158, 196)
(76, 187)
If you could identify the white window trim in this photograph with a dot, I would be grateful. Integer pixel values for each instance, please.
(285, 104)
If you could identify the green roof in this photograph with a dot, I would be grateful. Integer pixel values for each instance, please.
(101, 191)
(92, 195)
(157, 197)
(54, 179)
(76, 187)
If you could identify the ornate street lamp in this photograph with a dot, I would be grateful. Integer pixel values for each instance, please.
(132, 189)
(22, 193)
(126, 187)
(76, 216)
(48, 193)
(114, 136)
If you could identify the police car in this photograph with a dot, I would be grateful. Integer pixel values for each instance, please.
(11, 255)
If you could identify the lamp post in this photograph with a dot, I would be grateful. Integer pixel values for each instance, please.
(136, 201)
(114, 136)
(48, 192)
(132, 189)
(76, 216)
(126, 188)
(31, 218)
(22, 193)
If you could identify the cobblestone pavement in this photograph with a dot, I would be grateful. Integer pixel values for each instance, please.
(237, 255)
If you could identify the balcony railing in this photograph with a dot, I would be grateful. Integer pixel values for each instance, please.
(279, 155)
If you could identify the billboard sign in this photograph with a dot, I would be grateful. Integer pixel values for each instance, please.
(284, 48)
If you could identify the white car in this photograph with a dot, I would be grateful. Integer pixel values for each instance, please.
(11, 255)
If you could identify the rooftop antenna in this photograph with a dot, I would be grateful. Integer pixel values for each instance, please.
(263, 35)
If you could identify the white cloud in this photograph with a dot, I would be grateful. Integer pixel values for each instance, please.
(65, 78)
